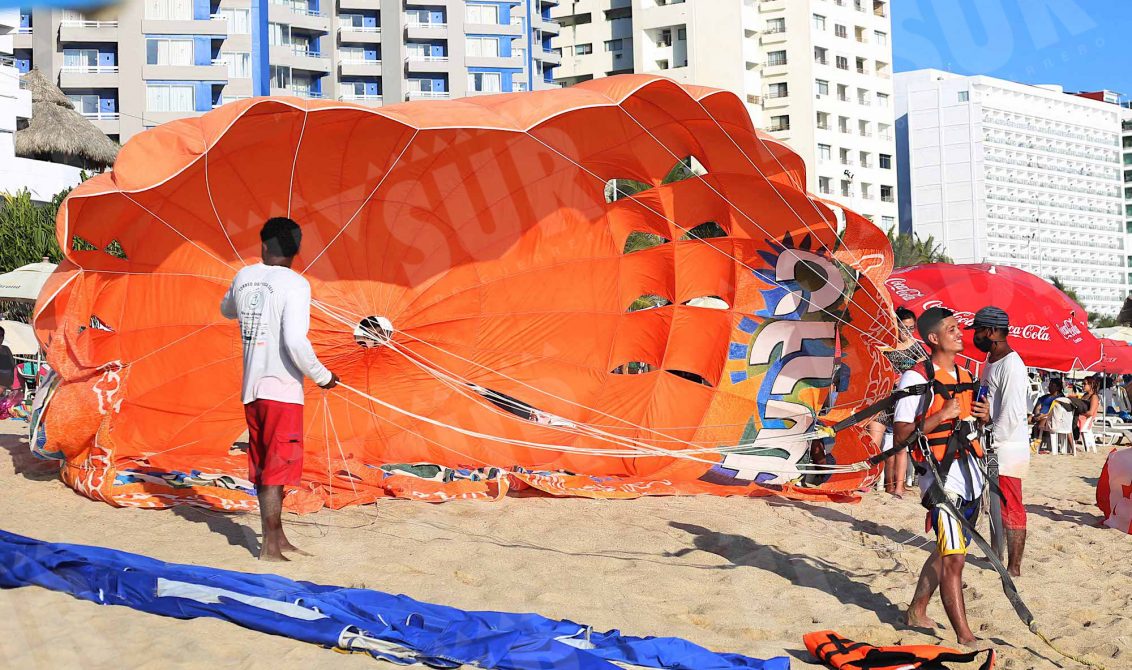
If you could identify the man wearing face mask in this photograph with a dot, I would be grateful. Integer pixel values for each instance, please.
(1005, 377)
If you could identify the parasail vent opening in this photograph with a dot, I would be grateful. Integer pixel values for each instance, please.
(648, 302)
(373, 331)
(690, 376)
(632, 368)
(705, 230)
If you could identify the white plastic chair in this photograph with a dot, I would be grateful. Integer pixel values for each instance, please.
(1060, 426)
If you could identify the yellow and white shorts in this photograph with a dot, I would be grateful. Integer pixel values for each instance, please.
(950, 536)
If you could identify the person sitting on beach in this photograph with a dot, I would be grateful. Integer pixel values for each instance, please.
(7, 366)
(1042, 408)
(272, 303)
(941, 416)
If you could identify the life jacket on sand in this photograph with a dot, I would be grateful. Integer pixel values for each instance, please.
(944, 387)
(841, 652)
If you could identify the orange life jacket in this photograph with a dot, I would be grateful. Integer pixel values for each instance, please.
(841, 652)
(945, 387)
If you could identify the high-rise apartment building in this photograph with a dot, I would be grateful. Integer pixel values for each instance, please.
(145, 62)
(816, 74)
(41, 178)
(1027, 176)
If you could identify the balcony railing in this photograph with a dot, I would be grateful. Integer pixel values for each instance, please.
(80, 23)
(90, 69)
(101, 116)
(413, 23)
(359, 98)
(360, 29)
(429, 95)
(359, 61)
(305, 52)
(24, 30)
(887, 198)
(779, 128)
(419, 58)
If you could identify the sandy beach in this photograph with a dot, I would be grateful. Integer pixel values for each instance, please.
(737, 575)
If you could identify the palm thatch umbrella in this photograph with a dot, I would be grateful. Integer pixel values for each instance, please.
(57, 133)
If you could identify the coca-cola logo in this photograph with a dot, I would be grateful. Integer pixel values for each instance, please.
(1069, 330)
(903, 290)
(1030, 331)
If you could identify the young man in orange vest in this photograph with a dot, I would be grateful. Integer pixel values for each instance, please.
(945, 415)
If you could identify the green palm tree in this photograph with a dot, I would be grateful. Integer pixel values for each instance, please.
(908, 250)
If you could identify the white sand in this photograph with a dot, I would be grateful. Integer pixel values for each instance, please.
(737, 575)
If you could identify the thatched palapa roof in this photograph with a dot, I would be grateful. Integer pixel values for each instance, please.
(57, 133)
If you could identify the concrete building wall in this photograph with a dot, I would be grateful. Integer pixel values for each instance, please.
(1027, 176)
(366, 51)
(764, 52)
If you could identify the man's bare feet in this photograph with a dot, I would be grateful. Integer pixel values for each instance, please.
(919, 620)
(292, 549)
(973, 643)
(275, 556)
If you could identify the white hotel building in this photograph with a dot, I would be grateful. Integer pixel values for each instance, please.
(1027, 176)
(816, 74)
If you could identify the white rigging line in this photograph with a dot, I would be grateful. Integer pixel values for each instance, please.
(637, 449)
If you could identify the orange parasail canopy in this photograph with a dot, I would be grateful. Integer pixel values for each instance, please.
(490, 235)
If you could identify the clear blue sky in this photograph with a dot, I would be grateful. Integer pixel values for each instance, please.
(1081, 44)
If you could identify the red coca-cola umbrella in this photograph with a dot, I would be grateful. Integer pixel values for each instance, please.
(1116, 357)
(1047, 328)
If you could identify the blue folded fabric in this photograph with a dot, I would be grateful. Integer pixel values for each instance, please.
(392, 627)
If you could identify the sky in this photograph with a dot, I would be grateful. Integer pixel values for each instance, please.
(1083, 45)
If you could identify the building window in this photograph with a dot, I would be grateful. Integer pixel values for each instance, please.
(825, 152)
(821, 55)
(278, 34)
(823, 120)
(280, 76)
(179, 10)
(846, 188)
(682, 34)
(487, 14)
(819, 22)
(887, 222)
(882, 99)
(779, 90)
(487, 82)
(885, 162)
(483, 47)
(881, 38)
(80, 58)
(866, 191)
(840, 30)
(238, 20)
(843, 93)
(821, 87)
(865, 159)
(842, 63)
(886, 194)
(614, 45)
(825, 186)
(776, 58)
(87, 105)
(239, 64)
(778, 123)
(169, 98)
(168, 52)
(845, 160)
(583, 49)
(843, 124)
(964, 96)
(774, 26)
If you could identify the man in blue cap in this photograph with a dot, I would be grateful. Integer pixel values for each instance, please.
(1005, 377)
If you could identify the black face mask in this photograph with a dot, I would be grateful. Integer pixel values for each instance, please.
(984, 344)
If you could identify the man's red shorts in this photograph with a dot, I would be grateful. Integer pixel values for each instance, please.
(1013, 513)
(275, 437)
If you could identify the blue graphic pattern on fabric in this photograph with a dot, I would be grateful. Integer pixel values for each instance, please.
(392, 627)
(737, 351)
(748, 325)
(737, 377)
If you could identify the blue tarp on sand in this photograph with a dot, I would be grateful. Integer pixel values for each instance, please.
(393, 627)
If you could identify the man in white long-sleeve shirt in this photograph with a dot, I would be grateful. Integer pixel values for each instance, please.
(272, 303)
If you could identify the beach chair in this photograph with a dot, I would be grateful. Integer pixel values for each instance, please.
(1060, 427)
(1087, 436)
